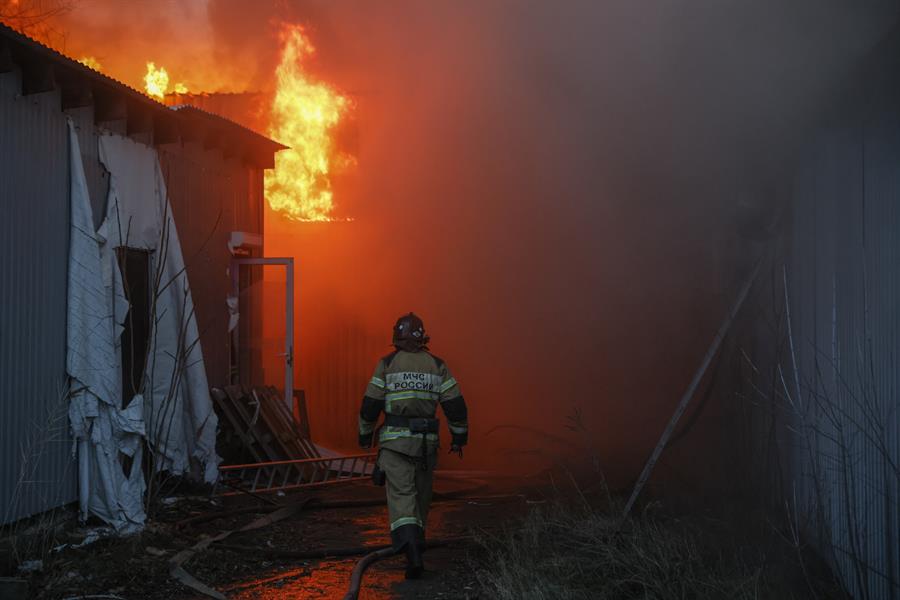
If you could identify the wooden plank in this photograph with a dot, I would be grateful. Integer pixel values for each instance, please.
(302, 445)
(264, 437)
(301, 420)
(223, 403)
(270, 417)
(301, 416)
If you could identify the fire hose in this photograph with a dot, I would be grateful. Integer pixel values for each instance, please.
(364, 563)
(356, 577)
(371, 558)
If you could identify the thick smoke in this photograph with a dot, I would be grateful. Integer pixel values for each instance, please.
(548, 184)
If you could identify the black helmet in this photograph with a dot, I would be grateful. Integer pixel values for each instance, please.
(409, 333)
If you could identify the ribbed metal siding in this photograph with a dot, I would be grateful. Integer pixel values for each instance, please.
(211, 197)
(334, 376)
(37, 471)
(842, 261)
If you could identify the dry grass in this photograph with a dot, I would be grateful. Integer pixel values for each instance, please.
(561, 552)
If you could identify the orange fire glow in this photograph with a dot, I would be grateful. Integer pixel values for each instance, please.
(304, 115)
(90, 61)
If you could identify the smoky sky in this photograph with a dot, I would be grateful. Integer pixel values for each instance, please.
(546, 183)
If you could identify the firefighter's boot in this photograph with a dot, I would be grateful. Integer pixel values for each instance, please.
(408, 538)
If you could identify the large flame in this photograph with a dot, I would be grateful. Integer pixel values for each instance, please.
(304, 115)
(156, 81)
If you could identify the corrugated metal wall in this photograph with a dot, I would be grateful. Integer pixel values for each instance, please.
(37, 471)
(840, 268)
(211, 197)
(334, 376)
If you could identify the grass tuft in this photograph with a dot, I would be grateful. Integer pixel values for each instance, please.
(565, 552)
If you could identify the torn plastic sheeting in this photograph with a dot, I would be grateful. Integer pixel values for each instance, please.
(91, 355)
(175, 412)
(181, 423)
(94, 365)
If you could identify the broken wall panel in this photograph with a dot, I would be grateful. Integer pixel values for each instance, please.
(34, 238)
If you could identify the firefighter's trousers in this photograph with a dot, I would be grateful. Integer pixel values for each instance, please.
(408, 487)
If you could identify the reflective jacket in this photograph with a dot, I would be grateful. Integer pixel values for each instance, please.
(412, 384)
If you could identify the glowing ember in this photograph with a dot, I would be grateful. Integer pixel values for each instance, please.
(156, 81)
(90, 61)
(304, 115)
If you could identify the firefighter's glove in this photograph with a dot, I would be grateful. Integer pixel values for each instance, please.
(365, 441)
(455, 449)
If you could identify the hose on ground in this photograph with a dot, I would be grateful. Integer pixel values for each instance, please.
(364, 563)
(369, 559)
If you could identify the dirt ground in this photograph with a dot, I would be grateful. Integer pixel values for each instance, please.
(137, 567)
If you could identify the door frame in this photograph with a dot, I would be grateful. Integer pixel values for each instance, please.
(288, 263)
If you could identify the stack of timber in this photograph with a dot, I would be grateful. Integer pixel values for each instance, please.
(267, 449)
(259, 419)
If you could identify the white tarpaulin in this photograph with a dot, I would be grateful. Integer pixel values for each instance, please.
(174, 412)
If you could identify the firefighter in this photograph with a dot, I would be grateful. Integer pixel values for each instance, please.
(408, 385)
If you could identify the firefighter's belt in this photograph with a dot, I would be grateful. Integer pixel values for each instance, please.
(416, 425)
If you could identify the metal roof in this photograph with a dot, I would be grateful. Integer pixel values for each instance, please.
(195, 112)
(46, 69)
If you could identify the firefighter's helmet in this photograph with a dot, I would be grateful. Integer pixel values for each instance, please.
(409, 333)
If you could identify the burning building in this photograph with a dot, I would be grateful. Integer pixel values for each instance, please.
(124, 220)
